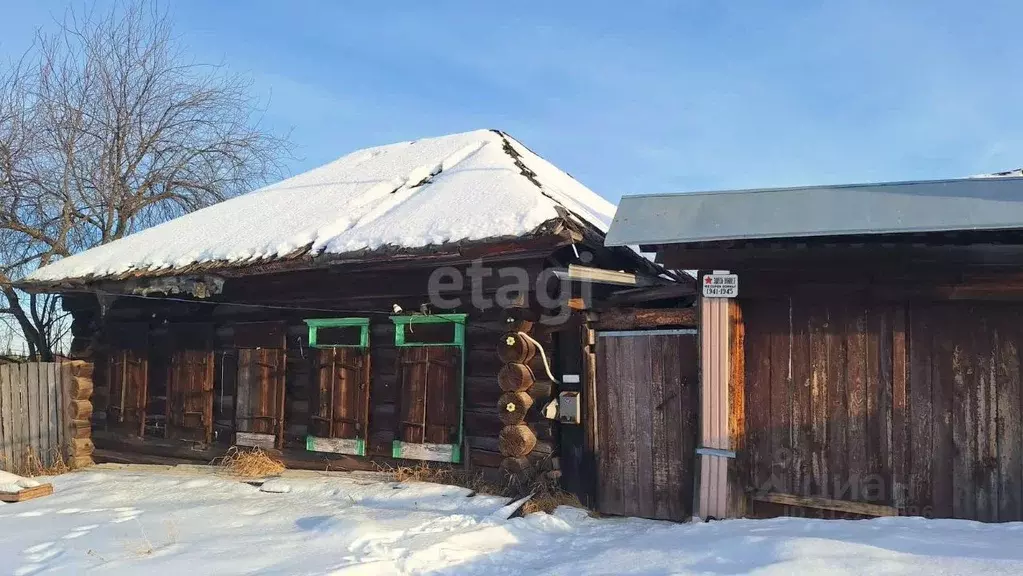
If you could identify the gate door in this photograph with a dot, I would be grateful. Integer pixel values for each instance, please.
(647, 404)
(190, 396)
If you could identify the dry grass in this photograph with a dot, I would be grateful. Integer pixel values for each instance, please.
(547, 496)
(31, 465)
(249, 463)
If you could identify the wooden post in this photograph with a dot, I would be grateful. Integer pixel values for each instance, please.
(715, 441)
(738, 504)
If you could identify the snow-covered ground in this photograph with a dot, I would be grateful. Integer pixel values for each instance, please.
(129, 522)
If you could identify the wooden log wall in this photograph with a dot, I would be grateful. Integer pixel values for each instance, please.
(912, 405)
(527, 440)
(79, 392)
(322, 291)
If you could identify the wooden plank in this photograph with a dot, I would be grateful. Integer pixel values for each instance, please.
(781, 391)
(838, 416)
(443, 395)
(987, 415)
(6, 416)
(35, 413)
(24, 415)
(65, 376)
(633, 319)
(856, 401)
(828, 504)
(800, 427)
(245, 385)
(737, 505)
(964, 414)
(689, 364)
(52, 404)
(899, 456)
(880, 373)
(663, 439)
(593, 455)
(27, 494)
(609, 405)
(626, 383)
(942, 401)
(920, 346)
(819, 389)
(644, 413)
(413, 375)
(255, 440)
(1010, 436)
(757, 456)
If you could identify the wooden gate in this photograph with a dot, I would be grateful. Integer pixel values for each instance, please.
(259, 413)
(647, 390)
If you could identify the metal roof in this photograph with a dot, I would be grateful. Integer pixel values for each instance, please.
(886, 208)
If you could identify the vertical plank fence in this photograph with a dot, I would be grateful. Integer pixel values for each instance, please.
(35, 415)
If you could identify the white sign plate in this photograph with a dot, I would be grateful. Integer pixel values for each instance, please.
(720, 285)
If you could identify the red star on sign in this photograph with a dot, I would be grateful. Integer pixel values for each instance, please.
(707, 280)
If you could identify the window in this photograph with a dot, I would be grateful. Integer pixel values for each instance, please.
(430, 377)
(339, 419)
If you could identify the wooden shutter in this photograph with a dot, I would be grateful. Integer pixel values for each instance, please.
(430, 401)
(190, 395)
(259, 409)
(127, 380)
(342, 400)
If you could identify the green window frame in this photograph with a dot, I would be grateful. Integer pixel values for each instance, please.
(434, 452)
(352, 446)
(315, 324)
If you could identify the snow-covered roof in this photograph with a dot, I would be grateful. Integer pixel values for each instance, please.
(462, 187)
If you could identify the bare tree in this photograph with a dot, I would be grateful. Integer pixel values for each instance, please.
(106, 127)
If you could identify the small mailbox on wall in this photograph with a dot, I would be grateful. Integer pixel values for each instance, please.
(569, 409)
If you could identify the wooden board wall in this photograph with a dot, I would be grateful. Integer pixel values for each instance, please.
(912, 405)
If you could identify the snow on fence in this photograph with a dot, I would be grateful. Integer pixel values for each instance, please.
(44, 415)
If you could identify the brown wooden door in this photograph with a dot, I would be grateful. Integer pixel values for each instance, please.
(430, 394)
(646, 422)
(190, 395)
(127, 378)
(259, 407)
(342, 393)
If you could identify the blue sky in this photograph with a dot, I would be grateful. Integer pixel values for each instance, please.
(633, 97)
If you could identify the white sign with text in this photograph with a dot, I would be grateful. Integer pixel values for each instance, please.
(718, 285)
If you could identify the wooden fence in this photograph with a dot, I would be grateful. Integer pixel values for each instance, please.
(39, 402)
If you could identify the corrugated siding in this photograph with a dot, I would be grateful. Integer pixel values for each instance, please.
(714, 366)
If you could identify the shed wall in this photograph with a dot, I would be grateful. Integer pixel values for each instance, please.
(912, 404)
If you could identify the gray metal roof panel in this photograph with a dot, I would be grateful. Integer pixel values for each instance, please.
(814, 211)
